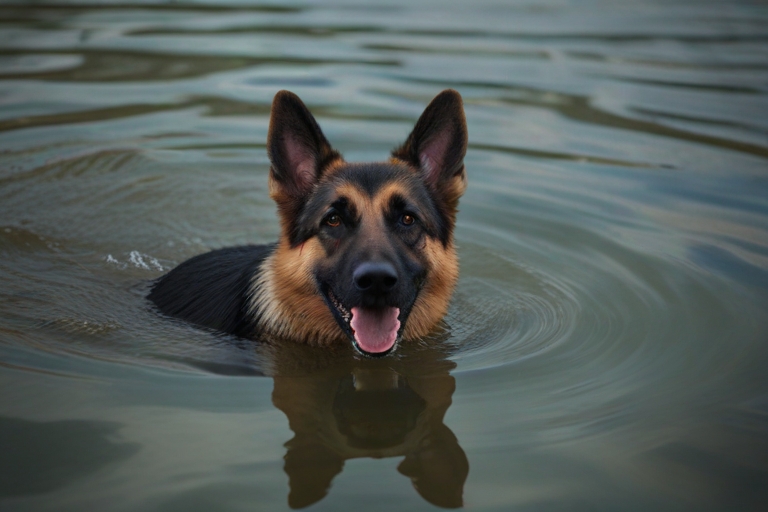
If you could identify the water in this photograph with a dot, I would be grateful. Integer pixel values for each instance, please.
(606, 346)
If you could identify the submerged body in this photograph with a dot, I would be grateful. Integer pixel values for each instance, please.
(366, 251)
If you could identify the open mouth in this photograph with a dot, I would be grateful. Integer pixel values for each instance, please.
(374, 331)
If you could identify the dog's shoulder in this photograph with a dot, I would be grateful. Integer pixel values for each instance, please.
(211, 289)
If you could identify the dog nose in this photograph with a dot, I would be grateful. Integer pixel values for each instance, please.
(375, 277)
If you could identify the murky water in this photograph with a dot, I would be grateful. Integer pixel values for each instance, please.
(607, 347)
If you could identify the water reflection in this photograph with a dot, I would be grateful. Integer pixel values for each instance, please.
(353, 408)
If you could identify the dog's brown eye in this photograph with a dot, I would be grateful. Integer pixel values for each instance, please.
(407, 220)
(333, 220)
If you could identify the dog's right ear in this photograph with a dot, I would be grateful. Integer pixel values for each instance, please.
(297, 148)
(437, 146)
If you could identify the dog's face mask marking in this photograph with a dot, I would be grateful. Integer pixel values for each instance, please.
(371, 243)
(373, 235)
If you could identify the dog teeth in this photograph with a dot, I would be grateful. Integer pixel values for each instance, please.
(346, 315)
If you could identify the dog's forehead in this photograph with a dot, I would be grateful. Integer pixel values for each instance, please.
(365, 182)
(370, 178)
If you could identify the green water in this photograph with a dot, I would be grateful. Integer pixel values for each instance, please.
(607, 346)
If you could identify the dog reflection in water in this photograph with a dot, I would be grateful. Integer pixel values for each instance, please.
(372, 408)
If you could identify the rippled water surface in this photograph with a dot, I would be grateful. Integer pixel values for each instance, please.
(607, 346)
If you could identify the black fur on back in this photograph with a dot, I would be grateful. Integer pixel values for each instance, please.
(212, 289)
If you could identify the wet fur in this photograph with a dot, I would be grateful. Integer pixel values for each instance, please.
(282, 290)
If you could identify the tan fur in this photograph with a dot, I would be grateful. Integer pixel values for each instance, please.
(452, 192)
(357, 197)
(382, 198)
(286, 297)
(433, 300)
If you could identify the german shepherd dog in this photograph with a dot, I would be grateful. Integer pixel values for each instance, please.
(366, 251)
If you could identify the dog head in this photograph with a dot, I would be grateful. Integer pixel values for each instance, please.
(366, 249)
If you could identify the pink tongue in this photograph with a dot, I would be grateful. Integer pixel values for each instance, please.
(375, 329)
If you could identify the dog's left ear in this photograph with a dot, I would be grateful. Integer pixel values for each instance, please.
(437, 146)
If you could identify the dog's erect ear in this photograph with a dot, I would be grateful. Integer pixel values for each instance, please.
(438, 142)
(296, 146)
